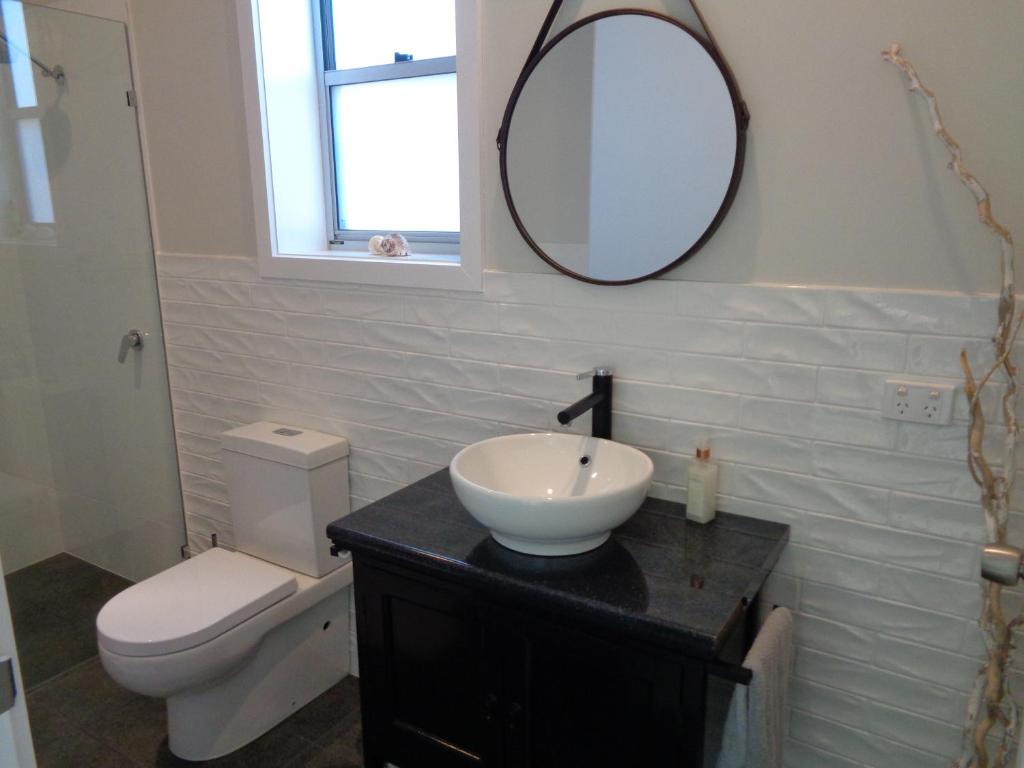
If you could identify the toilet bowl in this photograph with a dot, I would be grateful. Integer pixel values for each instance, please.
(233, 641)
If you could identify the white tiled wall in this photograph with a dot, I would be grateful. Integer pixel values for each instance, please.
(882, 568)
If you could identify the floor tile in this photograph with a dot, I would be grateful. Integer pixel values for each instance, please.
(327, 711)
(137, 730)
(76, 749)
(54, 605)
(341, 747)
(84, 695)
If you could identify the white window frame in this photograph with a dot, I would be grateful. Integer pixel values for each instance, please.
(293, 233)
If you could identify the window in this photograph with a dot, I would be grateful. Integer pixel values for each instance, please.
(363, 120)
(25, 195)
(393, 117)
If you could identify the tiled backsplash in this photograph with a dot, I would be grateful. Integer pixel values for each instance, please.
(787, 381)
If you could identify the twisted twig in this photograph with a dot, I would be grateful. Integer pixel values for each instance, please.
(988, 705)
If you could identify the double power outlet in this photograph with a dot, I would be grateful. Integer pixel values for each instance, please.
(925, 402)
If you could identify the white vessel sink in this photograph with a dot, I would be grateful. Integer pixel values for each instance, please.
(551, 494)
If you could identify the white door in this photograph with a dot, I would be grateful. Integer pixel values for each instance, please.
(15, 738)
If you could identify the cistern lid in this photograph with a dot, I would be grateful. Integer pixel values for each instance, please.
(298, 447)
(191, 603)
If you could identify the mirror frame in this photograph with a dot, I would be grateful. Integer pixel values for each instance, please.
(739, 108)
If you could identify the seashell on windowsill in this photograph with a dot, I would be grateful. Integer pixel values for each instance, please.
(393, 244)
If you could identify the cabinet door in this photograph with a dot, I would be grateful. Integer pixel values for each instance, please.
(581, 701)
(424, 679)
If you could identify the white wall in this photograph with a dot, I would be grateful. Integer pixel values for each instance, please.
(883, 561)
(30, 528)
(189, 82)
(844, 185)
(115, 10)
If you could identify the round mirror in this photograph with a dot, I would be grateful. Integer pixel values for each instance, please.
(622, 147)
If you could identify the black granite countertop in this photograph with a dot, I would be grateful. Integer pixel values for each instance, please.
(659, 578)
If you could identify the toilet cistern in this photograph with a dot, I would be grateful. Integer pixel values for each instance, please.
(599, 400)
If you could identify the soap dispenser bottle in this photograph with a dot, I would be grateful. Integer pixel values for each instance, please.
(702, 490)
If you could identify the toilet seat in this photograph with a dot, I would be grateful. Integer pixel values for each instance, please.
(191, 603)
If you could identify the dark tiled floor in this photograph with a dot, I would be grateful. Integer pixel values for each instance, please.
(54, 605)
(82, 719)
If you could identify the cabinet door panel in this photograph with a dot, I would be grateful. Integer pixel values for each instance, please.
(422, 662)
(436, 658)
(592, 703)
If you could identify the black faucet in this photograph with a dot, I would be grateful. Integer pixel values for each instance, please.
(600, 399)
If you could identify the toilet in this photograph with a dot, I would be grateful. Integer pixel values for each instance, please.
(238, 640)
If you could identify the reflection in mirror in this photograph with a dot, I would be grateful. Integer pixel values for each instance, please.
(586, 575)
(622, 149)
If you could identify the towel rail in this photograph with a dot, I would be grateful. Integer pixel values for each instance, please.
(736, 673)
(733, 672)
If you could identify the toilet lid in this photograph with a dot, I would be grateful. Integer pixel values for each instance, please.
(191, 603)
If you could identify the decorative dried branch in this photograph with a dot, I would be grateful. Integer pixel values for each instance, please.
(991, 702)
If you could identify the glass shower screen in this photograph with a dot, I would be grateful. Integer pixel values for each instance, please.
(87, 457)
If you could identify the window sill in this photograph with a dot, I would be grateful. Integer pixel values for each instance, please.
(428, 270)
(365, 256)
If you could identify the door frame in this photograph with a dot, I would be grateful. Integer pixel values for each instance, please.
(15, 752)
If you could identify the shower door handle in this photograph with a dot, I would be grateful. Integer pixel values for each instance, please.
(134, 339)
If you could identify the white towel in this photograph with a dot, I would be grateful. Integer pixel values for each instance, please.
(753, 732)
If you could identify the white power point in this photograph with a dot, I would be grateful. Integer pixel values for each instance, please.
(925, 402)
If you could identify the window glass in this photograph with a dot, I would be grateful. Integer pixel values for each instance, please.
(370, 33)
(397, 154)
(16, 51)
(33, 167)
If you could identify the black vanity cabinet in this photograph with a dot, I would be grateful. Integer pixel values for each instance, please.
(473, 655)
(451, 680)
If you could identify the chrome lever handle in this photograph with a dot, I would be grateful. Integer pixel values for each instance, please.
(134, 339)
(599, 371)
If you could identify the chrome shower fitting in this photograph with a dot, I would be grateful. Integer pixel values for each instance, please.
(56, 72)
